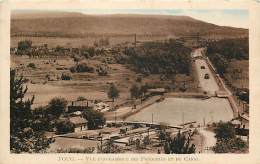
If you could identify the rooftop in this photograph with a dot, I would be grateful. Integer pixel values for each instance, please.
(78, 120)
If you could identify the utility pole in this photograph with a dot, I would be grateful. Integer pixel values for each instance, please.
(101, 146)
(152, 118)
(183, 119)
(115, 117)
(211, 115)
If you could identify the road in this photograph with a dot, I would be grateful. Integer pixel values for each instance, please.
(209, 85)
(209, 140)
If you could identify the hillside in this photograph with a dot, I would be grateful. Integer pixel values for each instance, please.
(62, 24)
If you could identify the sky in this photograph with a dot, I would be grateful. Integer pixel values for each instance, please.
(225, 17)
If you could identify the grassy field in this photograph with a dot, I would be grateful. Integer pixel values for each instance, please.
(90, 85)
(84, 41)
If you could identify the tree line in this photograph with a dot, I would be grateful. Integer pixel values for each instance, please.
(221, 52)
(169, 57)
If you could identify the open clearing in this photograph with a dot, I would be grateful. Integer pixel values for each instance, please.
(175, 111)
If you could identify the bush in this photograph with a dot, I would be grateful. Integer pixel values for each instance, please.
(225, 131)
(66, 76)
(95, 118)
(31, 65)
(56, 107)
(235, 145)
(102, 70)
(24, 45)
(64, 127)
(82, 67)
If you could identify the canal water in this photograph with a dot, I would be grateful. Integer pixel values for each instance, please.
(175, 111)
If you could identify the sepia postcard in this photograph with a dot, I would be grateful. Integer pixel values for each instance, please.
(162, 81)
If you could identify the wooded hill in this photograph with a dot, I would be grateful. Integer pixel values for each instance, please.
(63, 24)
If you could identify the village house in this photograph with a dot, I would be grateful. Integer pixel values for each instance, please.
(79, 123)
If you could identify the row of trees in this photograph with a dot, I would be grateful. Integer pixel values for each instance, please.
(136, 91)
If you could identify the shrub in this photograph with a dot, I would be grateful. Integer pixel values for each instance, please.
(24, 45)
(66, 76)
(102, 70)
(56, 107)
(31, 65)
(235, 145)
(82, 67)
(64, 127)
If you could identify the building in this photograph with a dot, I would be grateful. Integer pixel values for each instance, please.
(79, 106)
(79, 123)
(101, 107)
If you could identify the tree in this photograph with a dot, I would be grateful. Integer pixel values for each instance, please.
(227, 141)
(24, 135)
(57, 107)
(135, 92)
(143, 89)
(109, 147)
(95, 118)
(76, 59)
(225, 131)
(81, 98)
(113, 93)
(146, 141)
(24, 45)
(235, 145)
(64, 126)
(179, 144)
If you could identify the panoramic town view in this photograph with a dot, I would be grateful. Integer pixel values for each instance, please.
(128, 82)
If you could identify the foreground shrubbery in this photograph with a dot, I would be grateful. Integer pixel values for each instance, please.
(26, 128)
(227, 142)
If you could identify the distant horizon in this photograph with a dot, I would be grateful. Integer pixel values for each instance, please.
(237, 18)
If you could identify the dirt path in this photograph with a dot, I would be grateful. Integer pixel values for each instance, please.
(209, 140)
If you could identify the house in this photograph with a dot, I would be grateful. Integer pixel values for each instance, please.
(79, 123)
(79, 106)
(101, 106)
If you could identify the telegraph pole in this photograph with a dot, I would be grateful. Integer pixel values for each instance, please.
(183, 119)
(115, 117)
(152, 118)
